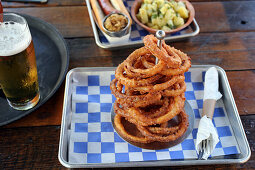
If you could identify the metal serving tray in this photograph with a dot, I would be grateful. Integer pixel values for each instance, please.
(231, 111)
(52, 57)
(194, 30)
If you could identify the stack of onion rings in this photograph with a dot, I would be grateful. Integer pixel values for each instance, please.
(149, 95)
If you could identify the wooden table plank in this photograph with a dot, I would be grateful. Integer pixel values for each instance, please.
(50, 3)
(37, 148)
(231, 51)
(242, 85)
(73, 21)
(70, 21)
(29, 148)
(225, 16)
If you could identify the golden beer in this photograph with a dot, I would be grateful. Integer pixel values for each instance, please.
(18, 72)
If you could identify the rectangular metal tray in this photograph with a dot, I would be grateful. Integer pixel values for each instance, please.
(193, 26)
(231, 110)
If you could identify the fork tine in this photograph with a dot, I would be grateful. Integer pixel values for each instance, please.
(205, 144)
(201, 152)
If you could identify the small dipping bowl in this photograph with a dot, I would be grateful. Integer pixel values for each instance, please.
(120, 33)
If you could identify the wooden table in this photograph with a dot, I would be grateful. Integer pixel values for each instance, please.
(226, 39)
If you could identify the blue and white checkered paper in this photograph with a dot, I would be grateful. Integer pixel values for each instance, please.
(137, 32)
(93, 139)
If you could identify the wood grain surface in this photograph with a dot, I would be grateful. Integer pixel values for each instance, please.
(50, 3)
(226, 39)
(73, 21)
(72, 3)
(70, 21)
(231, 51)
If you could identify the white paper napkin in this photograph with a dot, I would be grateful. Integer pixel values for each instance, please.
(206, 129)
(211, 89)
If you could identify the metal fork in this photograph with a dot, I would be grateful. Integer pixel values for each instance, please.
(201, 152)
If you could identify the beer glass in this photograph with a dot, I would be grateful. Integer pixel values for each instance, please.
(18, 72)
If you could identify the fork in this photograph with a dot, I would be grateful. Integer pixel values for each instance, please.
(201, 152)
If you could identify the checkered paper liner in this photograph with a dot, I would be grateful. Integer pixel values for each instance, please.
(93, 139)
(137, 32)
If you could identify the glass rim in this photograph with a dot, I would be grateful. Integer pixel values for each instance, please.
(23, 31)
(17, 16)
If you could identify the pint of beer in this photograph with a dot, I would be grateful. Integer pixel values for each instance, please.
(18, 72)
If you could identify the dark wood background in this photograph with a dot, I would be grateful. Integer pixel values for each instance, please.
(226, 39)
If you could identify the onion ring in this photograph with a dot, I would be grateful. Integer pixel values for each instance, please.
(163, 138)
(120, 128)
(168, 92)
(183, 68)
(173, 61)
(174, 108)
(146, 63)
(133, 82)
(163, 131)
(162, 86)
(137, 100)
(125, 113)
(144, 73)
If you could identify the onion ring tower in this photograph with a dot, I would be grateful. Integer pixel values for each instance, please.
(149, 89)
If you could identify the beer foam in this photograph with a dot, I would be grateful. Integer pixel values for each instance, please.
(14, 38)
